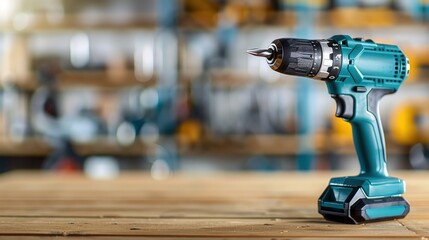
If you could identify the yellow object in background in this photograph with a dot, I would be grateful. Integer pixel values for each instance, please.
(409, 123)
(352, 17)
(190, 132)
(310, 3)
(341, 128)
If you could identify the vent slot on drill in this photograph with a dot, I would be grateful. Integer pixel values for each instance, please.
(400, 67)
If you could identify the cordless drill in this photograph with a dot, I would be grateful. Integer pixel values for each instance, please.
(358, 73)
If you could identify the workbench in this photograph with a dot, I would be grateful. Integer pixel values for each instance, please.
(191, 206)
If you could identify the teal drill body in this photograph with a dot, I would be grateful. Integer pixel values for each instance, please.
(358, 73)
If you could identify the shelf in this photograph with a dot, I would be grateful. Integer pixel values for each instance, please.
(102, 80)
(39, 147)
(220, 79)
(230, 79)
(196, 20)
(73, 22)
(246, 145)
(99, 79)
(320, 143)
(232, 145)
(30, 147)
(355, 18)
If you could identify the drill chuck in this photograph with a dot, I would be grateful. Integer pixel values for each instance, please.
(319, 59)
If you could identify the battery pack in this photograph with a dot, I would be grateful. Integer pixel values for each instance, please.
(351, 205)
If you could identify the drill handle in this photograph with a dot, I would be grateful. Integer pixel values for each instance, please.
(362, 111)
(368, 135)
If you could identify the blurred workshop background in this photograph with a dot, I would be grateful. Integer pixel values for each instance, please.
(162, 86)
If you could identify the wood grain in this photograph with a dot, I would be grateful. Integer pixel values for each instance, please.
(283, 205)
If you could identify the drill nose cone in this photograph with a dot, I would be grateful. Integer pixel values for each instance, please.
(268, 53)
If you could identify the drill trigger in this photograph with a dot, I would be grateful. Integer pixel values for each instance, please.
(345, 106)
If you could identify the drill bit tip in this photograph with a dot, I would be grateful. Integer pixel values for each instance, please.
(268, 53)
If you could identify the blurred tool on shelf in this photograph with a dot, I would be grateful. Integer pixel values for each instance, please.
(47, 120)
(410, 122)
(410, 128)
(419, 156)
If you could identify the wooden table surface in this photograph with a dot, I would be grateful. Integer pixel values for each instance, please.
(199, 206)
